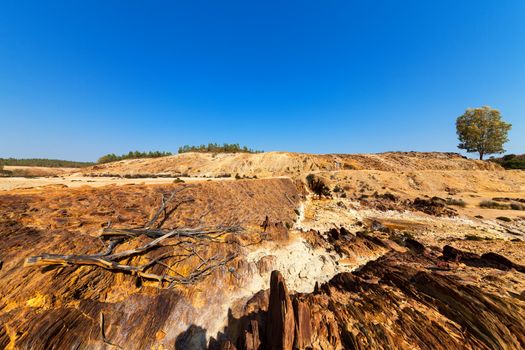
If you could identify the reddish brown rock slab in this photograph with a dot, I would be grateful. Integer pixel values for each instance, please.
(280, 327)
(303, 326)
(227, 345)
(251, 337)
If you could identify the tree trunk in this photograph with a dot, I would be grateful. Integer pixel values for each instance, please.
(480, 155)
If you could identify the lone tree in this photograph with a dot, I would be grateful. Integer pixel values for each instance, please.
(482, 130)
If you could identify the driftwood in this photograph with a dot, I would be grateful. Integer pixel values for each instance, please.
(188, 240)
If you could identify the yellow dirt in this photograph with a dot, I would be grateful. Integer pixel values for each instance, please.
(286, 164)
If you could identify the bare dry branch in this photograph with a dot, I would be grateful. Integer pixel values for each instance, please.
(154, 233)
(189, 240)
(162, 209)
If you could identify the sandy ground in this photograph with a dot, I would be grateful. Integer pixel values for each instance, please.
(11, 183)
(38, 170)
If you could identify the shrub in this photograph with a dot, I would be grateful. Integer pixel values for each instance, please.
(438, 200)
(501, 199)
(387, 196)
(474, 238)
(493, 205)
(317, 186)
(456, 202)
(504, 218)
(516, 206)
(511, 161)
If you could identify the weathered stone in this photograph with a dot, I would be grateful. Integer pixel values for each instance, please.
(252, 339)
(227, 345)
(265, 263)
(414, 246)
(334, 233)
(303, 327)
(280, 326)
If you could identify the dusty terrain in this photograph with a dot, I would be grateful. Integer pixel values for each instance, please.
(11, 183)
(37, 171)
(389, 260)
(284, 164)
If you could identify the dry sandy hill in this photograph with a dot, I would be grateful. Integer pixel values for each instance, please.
(285, 164)
(369, 267)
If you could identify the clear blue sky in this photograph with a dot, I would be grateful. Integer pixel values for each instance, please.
(79, 79)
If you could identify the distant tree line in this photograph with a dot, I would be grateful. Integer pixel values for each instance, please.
(217, 148)
(43, 162)
(511, 161)
(111, 157)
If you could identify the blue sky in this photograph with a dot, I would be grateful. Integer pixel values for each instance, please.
(81, 79)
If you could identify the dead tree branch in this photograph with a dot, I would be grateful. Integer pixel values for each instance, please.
(164, 202)
(108, 233)
(187, 240)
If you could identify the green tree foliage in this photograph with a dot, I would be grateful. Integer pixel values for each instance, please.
(111, 157)
(511, 161)
(43, 162)
(217, 148)
(482, 130)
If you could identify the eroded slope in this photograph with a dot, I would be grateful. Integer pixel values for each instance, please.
(285, 164)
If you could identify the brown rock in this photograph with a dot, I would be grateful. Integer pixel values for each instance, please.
(251, 337)
(280, 325)
(303, 327)
(227, 345)
(265, 263)
(334, 233)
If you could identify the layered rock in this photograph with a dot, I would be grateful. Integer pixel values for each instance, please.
(280, 326)
(303, 327)
(419, 298)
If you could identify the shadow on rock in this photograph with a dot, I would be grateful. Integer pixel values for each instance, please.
(194, 338)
